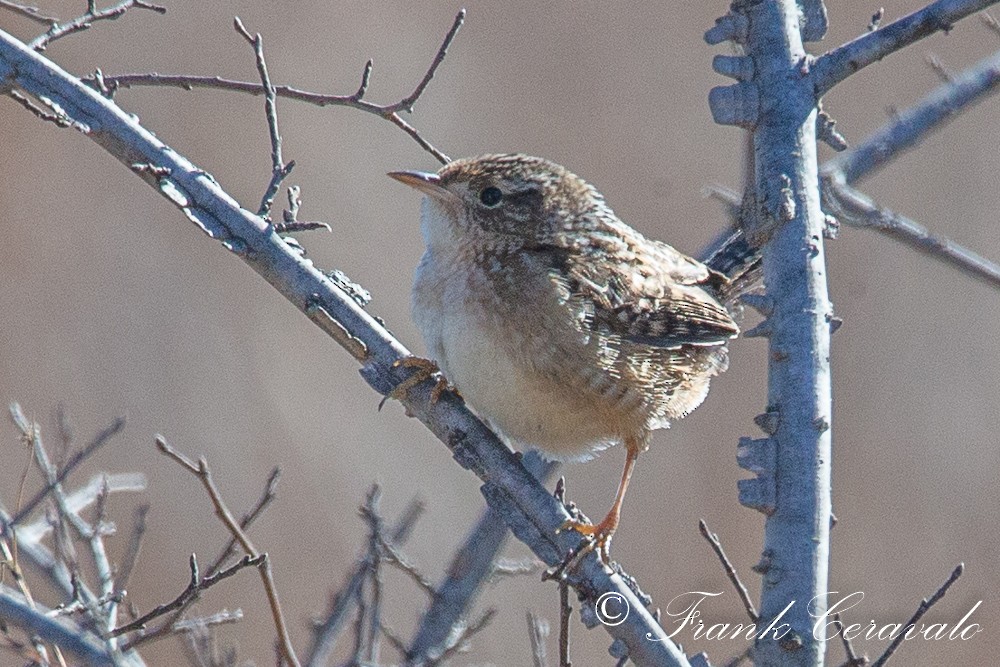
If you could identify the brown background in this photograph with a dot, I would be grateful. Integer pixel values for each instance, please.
(112, 303)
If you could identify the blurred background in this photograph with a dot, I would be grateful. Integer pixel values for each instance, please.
(114, 304)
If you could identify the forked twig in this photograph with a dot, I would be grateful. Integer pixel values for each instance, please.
(391, 112)
(204, 474)
(92, 15)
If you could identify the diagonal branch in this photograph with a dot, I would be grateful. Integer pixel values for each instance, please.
(531, 512)
(39, 621)
(908, 129)
(834, 66)
(857, 209)
(900, 134)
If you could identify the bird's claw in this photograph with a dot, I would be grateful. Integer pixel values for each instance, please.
(596, 538)
(425, 370)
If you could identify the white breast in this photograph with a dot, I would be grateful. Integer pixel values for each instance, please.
(494, 366)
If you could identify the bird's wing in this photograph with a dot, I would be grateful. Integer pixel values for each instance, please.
(645, 292)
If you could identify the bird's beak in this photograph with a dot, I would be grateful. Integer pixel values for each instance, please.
(429, 184)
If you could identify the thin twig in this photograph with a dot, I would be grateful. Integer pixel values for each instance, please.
(196, 586)
(203, 473)
(990, 22)
(390, 112)
(29, 12)
(857, 209)
(834, 66)
(74, 461)
(853, 660)
(92, 15)
(906, 130)
(734, 577)
(326, 632)
(406, 104)
(564, 616)
(169, 626)
(57, 119)
(378, 545)
(134, 548)
(266, 498)
(922, 609)
(463, 638)
(538, 630)
(279, 170)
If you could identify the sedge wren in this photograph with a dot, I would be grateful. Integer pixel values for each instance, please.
(562, 326)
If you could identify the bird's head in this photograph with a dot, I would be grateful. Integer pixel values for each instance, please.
(513, 199)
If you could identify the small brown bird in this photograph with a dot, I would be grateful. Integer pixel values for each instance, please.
(562, 326)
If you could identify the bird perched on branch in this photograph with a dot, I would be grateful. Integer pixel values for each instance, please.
(562, 326)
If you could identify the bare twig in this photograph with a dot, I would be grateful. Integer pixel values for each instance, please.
(57, 119)
(922, 609)
(463, 638)
(834, 66)
(853, 660)
(734, 577)
(134, 548)
(290, 216)
(390, 112)
(990, 22)
(170, 625)
(538, 631)
(326, 632)
(908, 129)
(92, 15)
(855, 208)
(938, 67)
(565, 611)
(279, 170)
(74, 461)
(219, 618)
(204, 474)
(266, 498)
(471, 567)
(27, 11)
(196, 586)
(900, 134)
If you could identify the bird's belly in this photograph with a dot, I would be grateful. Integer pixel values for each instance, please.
(500, 379)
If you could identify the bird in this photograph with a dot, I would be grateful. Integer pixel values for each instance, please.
(564, 328)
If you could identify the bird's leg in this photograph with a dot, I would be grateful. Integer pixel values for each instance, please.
(602, 532)
(425, 370)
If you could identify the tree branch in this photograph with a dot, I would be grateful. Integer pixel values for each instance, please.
(834, 66)
(910, 128)
(900, 134)
(390, 112)
(36, 620)
(532, 513)
(470, 568)
(59, 30)
(793, 463)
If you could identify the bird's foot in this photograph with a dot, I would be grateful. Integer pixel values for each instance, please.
(598, 538)
(426, 369)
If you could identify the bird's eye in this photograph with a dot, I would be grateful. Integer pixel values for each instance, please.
(490, 197)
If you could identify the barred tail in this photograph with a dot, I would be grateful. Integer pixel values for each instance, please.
(739, 261)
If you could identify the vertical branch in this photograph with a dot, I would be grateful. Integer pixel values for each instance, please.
(796, 535)
(776, 98)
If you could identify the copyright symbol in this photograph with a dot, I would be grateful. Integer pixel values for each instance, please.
(612, 609)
